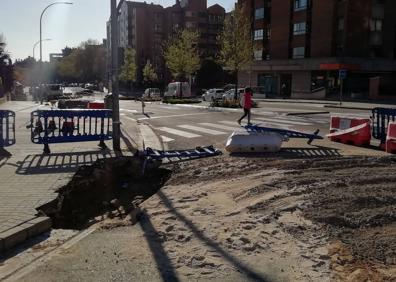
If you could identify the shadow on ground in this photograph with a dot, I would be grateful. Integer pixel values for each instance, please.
(295, 153)
(163, 261)
(60, 162)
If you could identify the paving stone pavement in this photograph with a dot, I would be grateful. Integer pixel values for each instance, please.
(29, 179)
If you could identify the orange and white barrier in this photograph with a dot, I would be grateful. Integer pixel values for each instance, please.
(391, 138)
(355, 131)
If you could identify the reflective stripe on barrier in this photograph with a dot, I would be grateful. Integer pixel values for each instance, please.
(391, 138)
(7, 128)
(62, 126)
(381, 118)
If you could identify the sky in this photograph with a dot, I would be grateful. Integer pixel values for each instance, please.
(64, 25)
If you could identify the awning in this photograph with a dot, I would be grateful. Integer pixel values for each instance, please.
(339, 67)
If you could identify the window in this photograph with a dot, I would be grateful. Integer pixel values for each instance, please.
(258, 55)
(299, 28)
(298, 52)
(258, 34)
(259, 13)
(375, 25)
(300, 5)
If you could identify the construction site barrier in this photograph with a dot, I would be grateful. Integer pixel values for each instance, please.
(354, 131)
(391, 138)
(96, 105)
(381, 117)
(63, 126)
(7, 128)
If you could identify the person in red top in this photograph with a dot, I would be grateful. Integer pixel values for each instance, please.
(247, 104)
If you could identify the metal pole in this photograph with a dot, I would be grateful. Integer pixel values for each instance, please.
(35, 45)
(114, 76)
(41, 39)
(341, 90)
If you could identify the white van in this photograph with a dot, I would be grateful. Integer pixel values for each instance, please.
(178, 90)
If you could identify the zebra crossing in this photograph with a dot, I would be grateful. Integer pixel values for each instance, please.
(226, 127)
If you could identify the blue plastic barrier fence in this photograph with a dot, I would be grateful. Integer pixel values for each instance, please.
(63, 126)
(7, 128)
(380, 119)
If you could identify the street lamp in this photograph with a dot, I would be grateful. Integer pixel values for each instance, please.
(41, 19)
(35, 45)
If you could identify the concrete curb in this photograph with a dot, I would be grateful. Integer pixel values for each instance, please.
(26, 230)
(348, 108)
(150, 138)
(295, 101)
(308, 113)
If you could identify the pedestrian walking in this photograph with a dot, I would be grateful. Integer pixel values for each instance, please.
(246, 103)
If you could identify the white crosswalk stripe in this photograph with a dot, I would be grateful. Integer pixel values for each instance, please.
(178, 132)
(283, 121)
(166, 139)
(258, 122)
(220, 126)
(202, 129)
(130, 111)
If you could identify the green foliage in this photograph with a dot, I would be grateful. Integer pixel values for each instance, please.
(236, 50)
(181, 54)
(149, 74)
(85, 63)
(129, 68)
(6, 68)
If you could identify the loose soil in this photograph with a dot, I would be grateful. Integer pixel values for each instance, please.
(336, 217)
(245, 218)
(108, 188)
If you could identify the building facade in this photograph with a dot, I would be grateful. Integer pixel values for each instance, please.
(300, 46)
(146, 27)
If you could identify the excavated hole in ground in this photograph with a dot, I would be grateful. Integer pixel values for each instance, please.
(113, 187)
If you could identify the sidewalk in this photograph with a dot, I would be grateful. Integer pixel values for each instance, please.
(29, 179)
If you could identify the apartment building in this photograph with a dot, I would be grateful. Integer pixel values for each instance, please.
(300, 46)
(146, 27)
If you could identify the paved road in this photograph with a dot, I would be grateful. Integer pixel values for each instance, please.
(186, 126)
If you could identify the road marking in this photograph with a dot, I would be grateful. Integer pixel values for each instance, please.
(220, 126)
(178, 132)
(131, 111)
(129, 118)
(166, 139)
(171, 116)
(285, 121)
(202, 129)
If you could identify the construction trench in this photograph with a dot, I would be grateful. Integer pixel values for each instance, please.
(351, 201)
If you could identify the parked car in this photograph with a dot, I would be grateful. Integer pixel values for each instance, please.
(228, 87)
(52, 92)
(152, 93)
(230, 94)
(213, 94)
(178, 90)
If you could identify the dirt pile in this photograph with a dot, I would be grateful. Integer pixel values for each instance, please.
(348, 204)
(116, 184)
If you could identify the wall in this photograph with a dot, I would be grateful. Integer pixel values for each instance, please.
(280, 26)
(322, 28)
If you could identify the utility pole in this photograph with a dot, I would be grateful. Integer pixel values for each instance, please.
(114, 76)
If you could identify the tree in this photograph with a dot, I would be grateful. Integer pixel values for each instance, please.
(6, 68)
(149, 75)
(236, 46)
(181, 54)
(129, 68)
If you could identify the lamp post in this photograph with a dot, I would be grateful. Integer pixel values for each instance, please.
(35, 45)
(114, 76)
(41, 39)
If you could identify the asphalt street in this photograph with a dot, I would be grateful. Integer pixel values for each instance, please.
(188, 126)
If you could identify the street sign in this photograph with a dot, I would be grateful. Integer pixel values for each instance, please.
(342, 74)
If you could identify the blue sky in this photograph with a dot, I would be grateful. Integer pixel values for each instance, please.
(65, 25)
